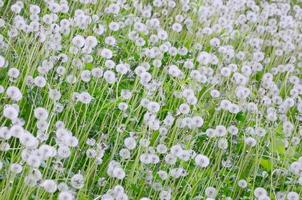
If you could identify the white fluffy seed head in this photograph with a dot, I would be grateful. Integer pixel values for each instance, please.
(16, 168)
(2, 62)
(41, 113)
(10, 112)
(77, 181)
(40, 81)
(109, 76)
(78, 41)
(14, 93)
(201, 161)
(130, 143)
(49, 186)
(5, 133)
(66, 195)
(13, 73)
(106, 53)
(184, 108)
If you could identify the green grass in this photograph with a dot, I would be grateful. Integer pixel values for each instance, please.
(102, 120)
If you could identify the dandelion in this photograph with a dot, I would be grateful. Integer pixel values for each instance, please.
(140, 88)
(211, 192)
(2, 61)
(13, 73)
(63, 152)
(115, 170)
(10, 112)
(106, 53)
(242, 183)
(201, 161)
(97, 72)
(109, 76)
(130, 143)
(40, 81)
(16, 168)
(41, 113)
(14, 93)
(124, 154)
(66, 195)
(78, 41)
(27, 139)
(77, 181)
(5, 133)
(184, 108)
(118, 173)
(258, 192)
(49, 185)
(250, 141)
(165, 195)
(85, 98)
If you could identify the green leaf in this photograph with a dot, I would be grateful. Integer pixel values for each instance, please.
(89, 66)
(266, 164)
(258, 76)
(278, 146)
(241, 116)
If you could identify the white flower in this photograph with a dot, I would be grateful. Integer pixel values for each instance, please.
(106, 53)
(91, 41)
(41, 113)
(10, 112)
(34, 9)
(259, 191)
(16, 168)
(110, 40)
(153, 107)
(201, 160)
(78, 41)
(119, 173)
(13, 72)
(85, 98)
(211, 192)
(63, 151)
(161, 148)
(66, 195)
(47, 151)
(130, 143)
(293, 196)
(204, 58)
(5, 133)
(250, 141)
(177, 27)
(122, 68)
(54, 94)
(184, 108)
(28, 140)
(197, 121)
(114, 26)
(77, 181)
(126, 94)
(49, 186)
(97, 72)
(1, 89)
(242, 183)
(123, 106)
(115, 170)
(109, 76)
(40, 81)
(165, 195)
(2, 61)
(124, 153)
(14, 93)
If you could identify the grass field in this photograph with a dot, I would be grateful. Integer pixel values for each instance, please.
(140, 100)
